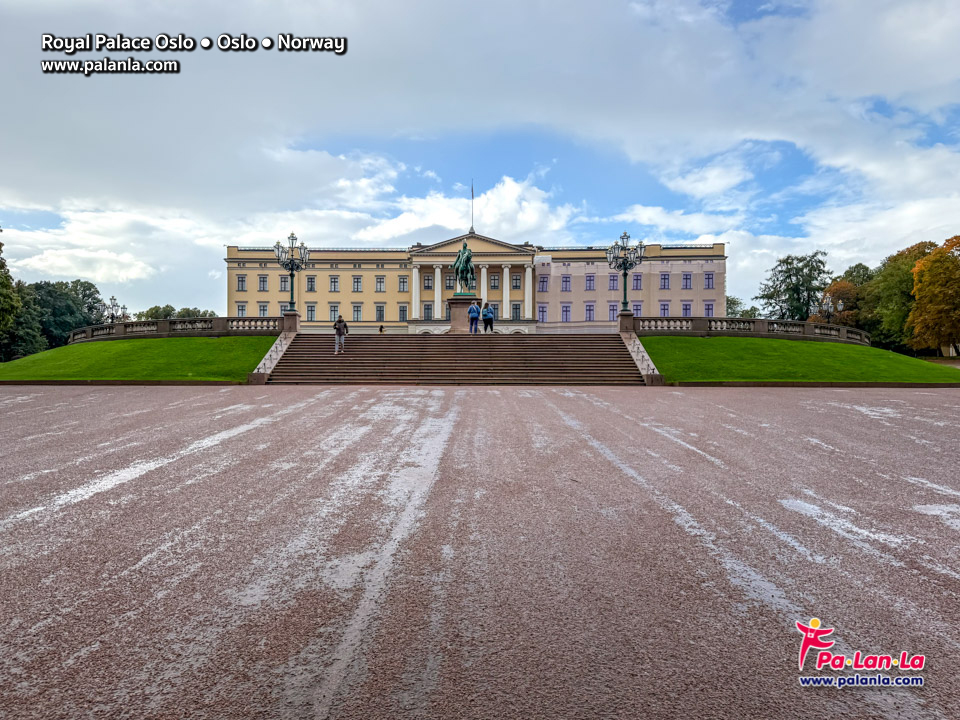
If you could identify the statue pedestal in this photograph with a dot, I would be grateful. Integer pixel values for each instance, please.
(459, 320)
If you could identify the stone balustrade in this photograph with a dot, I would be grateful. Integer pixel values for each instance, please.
(743, 327)
(188, 327)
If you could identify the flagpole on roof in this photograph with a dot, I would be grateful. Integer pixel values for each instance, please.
(471, 206)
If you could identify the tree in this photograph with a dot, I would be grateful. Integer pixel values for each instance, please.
(61, 311)
(845, 291)
(934, 319)
(25, 335)
(738, 308)
(156, 312)
(888, 297)
(89, 298)
(194, 312)
(858, 274)
(166, 312)
(734, 306)
(9, 299)
(794, 285)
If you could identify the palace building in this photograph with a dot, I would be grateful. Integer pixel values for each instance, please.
(530, 288)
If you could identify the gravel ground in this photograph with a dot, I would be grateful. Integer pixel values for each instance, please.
(472, 553)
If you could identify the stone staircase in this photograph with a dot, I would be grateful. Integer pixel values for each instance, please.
(458, 360)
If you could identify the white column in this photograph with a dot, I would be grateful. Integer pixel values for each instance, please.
(438, 293)
(415, 310)
(483, 285)
(505, 310)
(528, 292)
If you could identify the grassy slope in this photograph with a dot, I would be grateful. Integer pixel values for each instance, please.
(719, 359)
(228, 358)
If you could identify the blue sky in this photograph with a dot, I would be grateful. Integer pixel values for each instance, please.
(775, 126)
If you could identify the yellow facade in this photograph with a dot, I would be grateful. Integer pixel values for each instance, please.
(398, 288)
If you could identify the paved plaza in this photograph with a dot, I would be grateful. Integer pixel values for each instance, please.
(312, 552)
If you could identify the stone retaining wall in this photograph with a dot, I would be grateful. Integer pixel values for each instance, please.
(742, 327)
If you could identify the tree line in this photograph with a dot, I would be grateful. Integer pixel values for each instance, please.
(41, 315)
(909, 302)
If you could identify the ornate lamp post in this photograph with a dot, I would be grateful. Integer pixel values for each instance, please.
(826, 307)
(624, 257)
(293, 259)
(112, 312)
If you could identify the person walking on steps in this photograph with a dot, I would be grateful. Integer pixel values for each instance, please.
(474, 314)
(487, 315)
(341, 330)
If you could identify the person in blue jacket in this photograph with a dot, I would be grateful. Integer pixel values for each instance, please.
(473, 312)
(487, 315)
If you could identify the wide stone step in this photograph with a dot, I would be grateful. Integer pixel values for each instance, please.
(458, 360)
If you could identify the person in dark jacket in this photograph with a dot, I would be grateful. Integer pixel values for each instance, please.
(487, 315)
(341, 330)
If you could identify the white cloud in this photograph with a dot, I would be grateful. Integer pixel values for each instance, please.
(98, 265)
(713, 179)
(677, 220)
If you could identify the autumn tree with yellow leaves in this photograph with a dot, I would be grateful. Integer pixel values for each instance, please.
(935, 316)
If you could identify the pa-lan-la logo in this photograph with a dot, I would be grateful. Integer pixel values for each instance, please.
(814, 637)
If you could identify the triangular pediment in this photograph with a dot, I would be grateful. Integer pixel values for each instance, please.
(478, 244)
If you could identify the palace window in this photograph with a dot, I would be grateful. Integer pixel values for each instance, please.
(564, 283)
(494, 281)
(334, 312)
(664, 281)
(358, 283)
(262, 283)
(515, 311)
(448, 282)
(665, 309)
(241, 283)
(428, 311)
(403, 283)
(637, 281)
(708, 281)
(543, 283)
(686, 309)
(311, 283)
(686, 281)
(515, 285)
(473, 284)
(637, 309)
(590, 282)
(263, 309)
(588, 313)
(708, 309)
(614, 282)
(612, 311)
(311, 313)
(495, 308)
(284, 307)
(541, 313)
(564, 313)
(403, 313)
(241, 309)
(446, 312)
(284, 283)
(358, 313)
(428, 282)
(380, 284)
(334, 284)
(381, 311)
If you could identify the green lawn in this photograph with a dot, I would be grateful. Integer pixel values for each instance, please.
(227, 358)
(724, 359)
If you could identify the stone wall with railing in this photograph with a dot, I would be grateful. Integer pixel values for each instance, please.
(187, 327)
(744, 327)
